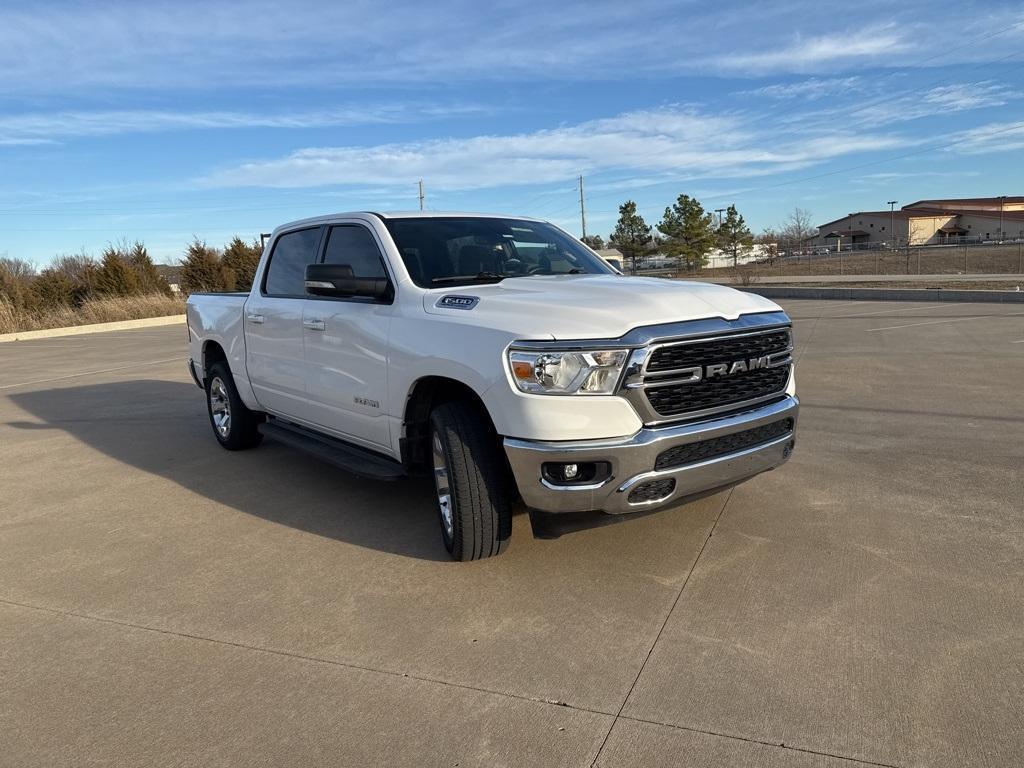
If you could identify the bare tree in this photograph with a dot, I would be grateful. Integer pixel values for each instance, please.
(797, 229)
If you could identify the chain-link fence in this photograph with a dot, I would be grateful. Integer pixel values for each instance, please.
(968, 259)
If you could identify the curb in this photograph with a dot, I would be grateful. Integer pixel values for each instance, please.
(885, 294)
(76, 330)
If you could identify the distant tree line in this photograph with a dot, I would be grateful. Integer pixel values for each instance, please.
(123, 270)
(689, 233)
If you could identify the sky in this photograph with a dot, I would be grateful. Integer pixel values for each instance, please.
(164, 122)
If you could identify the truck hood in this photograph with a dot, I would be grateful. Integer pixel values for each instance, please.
(591, 306)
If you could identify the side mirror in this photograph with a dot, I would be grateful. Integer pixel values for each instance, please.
(337, 281)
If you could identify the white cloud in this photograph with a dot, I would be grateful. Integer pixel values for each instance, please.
(812, 88)
(994, 137)
(945, 99)
(658, 142)
(45, 127)
(814, 54)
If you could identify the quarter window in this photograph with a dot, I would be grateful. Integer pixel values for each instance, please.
(286, 273)
(354, 245)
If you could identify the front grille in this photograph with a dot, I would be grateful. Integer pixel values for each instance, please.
(711, 351)
(675, 399)
(721, 446)
(652, 490)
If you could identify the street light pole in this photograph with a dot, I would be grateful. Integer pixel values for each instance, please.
(1002, 199)
(892, 219)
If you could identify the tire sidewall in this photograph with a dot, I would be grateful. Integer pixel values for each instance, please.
(438, 429)
(220, 371)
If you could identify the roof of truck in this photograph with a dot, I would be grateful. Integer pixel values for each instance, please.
(327, 218)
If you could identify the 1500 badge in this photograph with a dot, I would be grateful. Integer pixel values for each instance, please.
(458, 302)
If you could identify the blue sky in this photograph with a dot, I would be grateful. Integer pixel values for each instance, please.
(164, 121)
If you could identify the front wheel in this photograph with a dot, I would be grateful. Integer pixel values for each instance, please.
(234, 425)
(474, 492)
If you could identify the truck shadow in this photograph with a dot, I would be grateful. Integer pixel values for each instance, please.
(161, 427)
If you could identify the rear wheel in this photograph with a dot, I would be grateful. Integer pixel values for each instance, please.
(474, 492)
(234, 425)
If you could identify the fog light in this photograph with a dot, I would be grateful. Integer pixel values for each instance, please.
(576, 473)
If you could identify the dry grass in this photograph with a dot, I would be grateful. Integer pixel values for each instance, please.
(106, 310)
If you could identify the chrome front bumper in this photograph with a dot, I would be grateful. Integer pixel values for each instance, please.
(633, 459)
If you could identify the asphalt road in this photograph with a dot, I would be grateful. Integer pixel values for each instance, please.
(164, 602)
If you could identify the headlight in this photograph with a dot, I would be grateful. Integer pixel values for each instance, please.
(590, 372)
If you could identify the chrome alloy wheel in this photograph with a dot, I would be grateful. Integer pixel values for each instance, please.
(444, 496)
(220, 407)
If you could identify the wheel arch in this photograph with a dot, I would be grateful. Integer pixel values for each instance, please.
(213, 352)
(425, 394)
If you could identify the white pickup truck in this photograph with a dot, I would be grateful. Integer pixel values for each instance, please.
(501, 356)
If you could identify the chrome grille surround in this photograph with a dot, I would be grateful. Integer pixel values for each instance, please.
(746, 332)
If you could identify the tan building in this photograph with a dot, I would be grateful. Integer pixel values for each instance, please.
(929, 222)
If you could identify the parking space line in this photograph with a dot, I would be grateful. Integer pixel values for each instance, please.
(661, 630)
(948, 320)
(92, 373)
(929, 305)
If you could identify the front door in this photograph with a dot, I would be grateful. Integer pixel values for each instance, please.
(346, 345)
(274, 340)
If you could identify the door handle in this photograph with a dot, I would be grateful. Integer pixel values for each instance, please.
(257, 319)
(313, 325)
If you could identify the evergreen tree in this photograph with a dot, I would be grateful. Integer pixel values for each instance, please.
(150, 280)
(688, 230)
(241, 259)
(632, 235)
(594, 241)
(734, 235)
(115, 276)
(201, 269)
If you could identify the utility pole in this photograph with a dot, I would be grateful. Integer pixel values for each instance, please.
(892, 219)
(583, 210)
(421, 194)
(720, 211)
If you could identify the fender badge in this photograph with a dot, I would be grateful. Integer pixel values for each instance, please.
(458, 302)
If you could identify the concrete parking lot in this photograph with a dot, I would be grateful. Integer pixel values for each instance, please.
(164, 602)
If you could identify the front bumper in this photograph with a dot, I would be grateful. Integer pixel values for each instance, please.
(633, 459)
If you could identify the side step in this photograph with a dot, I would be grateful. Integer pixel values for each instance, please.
(351, 458)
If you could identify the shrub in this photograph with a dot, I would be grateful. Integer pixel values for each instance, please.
(201, 270)
(82, 272)
(16, 277)
(149, 279)
(52, 288)
(116, 277)
(241, 259)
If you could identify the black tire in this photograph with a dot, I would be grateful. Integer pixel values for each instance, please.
(240, 431)
(478, 482)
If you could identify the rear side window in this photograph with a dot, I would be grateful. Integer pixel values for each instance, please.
(286, 274)
(354, 245)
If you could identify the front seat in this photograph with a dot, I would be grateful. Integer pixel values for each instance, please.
(477, 258)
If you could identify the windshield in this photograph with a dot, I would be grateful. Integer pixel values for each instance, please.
(452, 250)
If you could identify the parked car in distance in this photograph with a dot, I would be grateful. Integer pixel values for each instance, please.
(502, 358)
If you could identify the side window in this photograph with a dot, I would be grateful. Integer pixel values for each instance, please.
(354, 245)
(286, 274)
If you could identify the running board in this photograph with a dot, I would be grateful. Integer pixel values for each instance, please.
(351, 458)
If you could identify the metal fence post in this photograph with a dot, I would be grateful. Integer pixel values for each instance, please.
(1020, 258)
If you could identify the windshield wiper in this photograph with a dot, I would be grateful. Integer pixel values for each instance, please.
(478, 277)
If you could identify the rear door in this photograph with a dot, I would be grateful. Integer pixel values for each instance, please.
(275, 358)
(346, 344)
